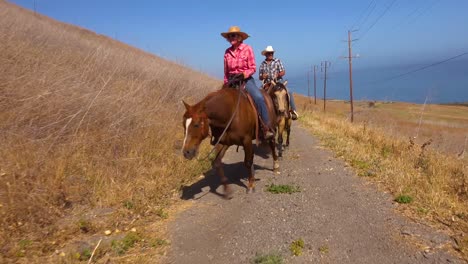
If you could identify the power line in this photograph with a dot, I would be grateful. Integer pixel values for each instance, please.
(414, 15)
(373, 4)
(378, 18)
(419, 69)
(424, 11)
(362, 14)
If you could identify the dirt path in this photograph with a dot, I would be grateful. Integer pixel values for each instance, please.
(340, 217)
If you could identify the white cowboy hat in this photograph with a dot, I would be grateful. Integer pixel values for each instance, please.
(268, 49)
(235, 29)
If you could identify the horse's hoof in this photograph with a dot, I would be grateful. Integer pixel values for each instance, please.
(227, 196)
(276, 165)
(250, 190)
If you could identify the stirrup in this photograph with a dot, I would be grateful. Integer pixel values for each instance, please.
(294, 115)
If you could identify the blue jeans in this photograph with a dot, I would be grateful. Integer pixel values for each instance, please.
(259, 101)
(291, 101)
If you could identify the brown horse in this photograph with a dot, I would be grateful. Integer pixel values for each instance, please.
(280, 97)
(214, 112)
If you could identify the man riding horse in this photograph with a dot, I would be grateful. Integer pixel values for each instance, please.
(272, 69)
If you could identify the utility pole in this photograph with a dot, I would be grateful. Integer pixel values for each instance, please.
(35, 9)
(350, 59)
(315, 85)
(308, 85)
(325, 65)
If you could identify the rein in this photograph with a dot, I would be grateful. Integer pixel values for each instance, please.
(228, 124)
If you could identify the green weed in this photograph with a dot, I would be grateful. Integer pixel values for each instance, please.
(273, 258)
(162, 213)
(360, 164)
(296, 247)
(121, 246)
(158, 242)
(281, 188)
(84, 225)
(324, 249)
(128, 204)
(403, 199)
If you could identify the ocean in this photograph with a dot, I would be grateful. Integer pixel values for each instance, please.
(444, 83)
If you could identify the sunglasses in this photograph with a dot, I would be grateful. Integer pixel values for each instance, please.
(232, 35)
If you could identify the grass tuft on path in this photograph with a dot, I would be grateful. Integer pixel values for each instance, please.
(273, 258)
(282, 188)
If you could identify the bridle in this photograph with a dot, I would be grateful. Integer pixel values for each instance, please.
(240, 88)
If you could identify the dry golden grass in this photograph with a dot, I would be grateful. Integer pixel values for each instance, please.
(437, 182)
(445, 125)
(86, 122)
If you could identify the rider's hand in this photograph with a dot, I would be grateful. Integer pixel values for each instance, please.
(265, 75)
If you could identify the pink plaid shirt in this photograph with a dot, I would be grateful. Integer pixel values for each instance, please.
(242, 60)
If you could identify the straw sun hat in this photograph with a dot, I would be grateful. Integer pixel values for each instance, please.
(237, 30)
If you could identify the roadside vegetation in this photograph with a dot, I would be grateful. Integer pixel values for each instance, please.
(429, 184)
(90, 130)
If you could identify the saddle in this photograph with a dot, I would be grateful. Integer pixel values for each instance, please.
(237, 81)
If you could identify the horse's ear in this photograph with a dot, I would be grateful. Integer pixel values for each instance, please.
(273, 82)
(187, 106)
(286, 82)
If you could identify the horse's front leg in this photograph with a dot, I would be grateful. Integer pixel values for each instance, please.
(281, 125)
(276, 166)
(248, 162)
(218, 166)
(288, 131)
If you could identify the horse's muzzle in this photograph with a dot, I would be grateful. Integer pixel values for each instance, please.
(190, 153)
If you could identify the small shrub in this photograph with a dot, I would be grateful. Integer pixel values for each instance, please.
(386, 151)
(403, 199)
(84, 255)
(162, 213)
(422, 210)
(128, 204)
(23, 244)
(360, 164)
(268, 259)
(323, 249)
(84, 225)
(281, 188)
(121, 246)
(296, 247)
(158, 242)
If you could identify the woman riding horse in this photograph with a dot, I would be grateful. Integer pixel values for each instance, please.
(229, 115)
(240, 59)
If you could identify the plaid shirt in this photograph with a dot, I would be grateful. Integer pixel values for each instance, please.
(241, 60)
(272, 69)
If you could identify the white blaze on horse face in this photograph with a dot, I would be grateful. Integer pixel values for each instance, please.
(187, 124)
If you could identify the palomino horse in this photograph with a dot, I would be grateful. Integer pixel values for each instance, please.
(279, 94)
(232, 121)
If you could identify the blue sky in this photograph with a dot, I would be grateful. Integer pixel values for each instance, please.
(302, 32)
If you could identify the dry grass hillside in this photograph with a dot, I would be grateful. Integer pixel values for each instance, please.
(417, 155)
(87, 123)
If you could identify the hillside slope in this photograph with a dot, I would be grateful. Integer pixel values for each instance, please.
(86, 122)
